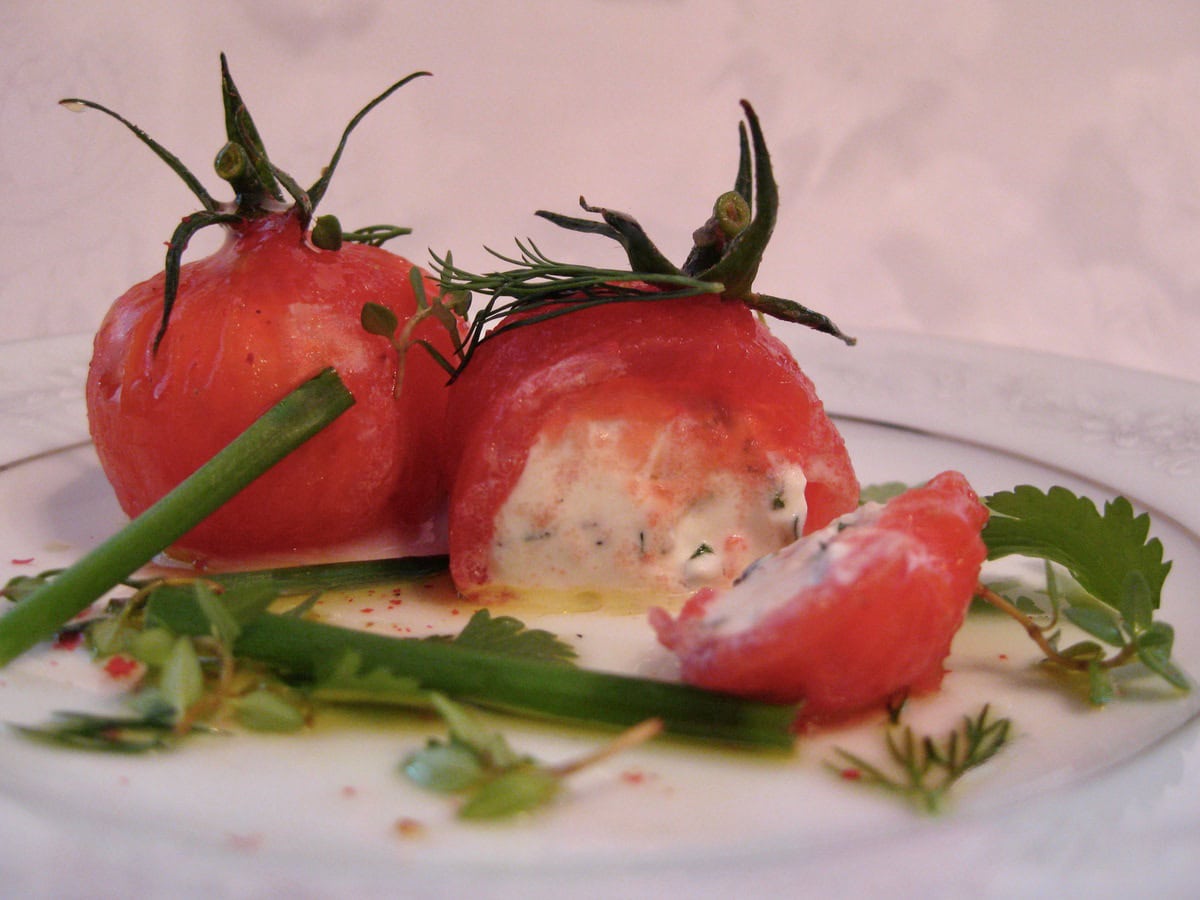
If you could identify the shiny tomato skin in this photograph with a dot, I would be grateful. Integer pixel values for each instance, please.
(695, 353)
(251, 322)
(870, 620)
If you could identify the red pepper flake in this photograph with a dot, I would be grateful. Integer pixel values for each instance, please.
(454, 612)
(397, 592)
(851, 774)
(349, 791)
(23, 562)
(409, 828)
(68, 640)
(120, 666)
(633, 776)
(366, 610)
(1004, 657)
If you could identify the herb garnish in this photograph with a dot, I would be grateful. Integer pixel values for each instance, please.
(496, 781)
(925, 768)
(1118, 567)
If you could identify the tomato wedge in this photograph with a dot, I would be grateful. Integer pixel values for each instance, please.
(845, 619)
(635, 445)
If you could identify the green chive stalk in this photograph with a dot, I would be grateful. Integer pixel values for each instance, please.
(302, 649)
(283, 428)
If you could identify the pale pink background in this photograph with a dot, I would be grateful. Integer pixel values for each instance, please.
(1021, 173)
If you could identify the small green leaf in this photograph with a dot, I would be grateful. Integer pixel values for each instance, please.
(265, 710)
(1100, 684)
(1137, 602)
(515, 791)
(416, 281)
(508, 636)
(378, 319)
(1084, 650)
(108, 636)
(152, 646)
(223, 625)
(1096, 622)
(182, 680)
(21, 586)
(1154, 647)
(445, 767)
(490, 746)
(345, 682)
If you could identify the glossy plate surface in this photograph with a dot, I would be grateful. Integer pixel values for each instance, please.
(1081, 799)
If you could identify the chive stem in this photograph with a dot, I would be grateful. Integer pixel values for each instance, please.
(303, 648)
(288, 424)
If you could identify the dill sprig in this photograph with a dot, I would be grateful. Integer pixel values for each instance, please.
(540, 288)
(924, 767)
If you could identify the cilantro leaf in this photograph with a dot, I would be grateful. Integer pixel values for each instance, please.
(508, 636)
(1100, 550)
(1112, 558)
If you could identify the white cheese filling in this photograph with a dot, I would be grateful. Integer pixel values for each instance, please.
(774, 580)
(598, 506)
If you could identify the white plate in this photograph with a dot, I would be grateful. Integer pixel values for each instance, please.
(1083, 800)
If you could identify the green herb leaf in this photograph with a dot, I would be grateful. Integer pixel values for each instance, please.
(1097, 622)
(1099, 550)
(182, 680)
(518, 790)
(498, 782)
(347, 682)
(508, 636)
(448, 768)
(1112, 557)
(379, 320)
(265, 710)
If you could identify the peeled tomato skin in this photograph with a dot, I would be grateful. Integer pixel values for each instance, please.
(251, 322)
(701, 352)
(877, 625)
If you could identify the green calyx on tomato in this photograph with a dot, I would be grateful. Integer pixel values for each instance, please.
(724, 260)
(260, 187)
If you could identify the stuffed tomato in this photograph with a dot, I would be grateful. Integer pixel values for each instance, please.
(849, 618)
(634, 447)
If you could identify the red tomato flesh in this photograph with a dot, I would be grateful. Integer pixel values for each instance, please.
(251, 322)
(703, 366)
(845, 619)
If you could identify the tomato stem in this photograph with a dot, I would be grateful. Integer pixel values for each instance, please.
(288, 424)
(258, 184)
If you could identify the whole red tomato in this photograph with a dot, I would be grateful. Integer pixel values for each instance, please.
(245, 326)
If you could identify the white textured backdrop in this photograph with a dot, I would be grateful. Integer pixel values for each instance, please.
(1021, 173)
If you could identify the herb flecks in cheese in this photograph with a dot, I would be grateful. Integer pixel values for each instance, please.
(617, 504)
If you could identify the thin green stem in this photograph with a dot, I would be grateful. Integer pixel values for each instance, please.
(288, 424)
